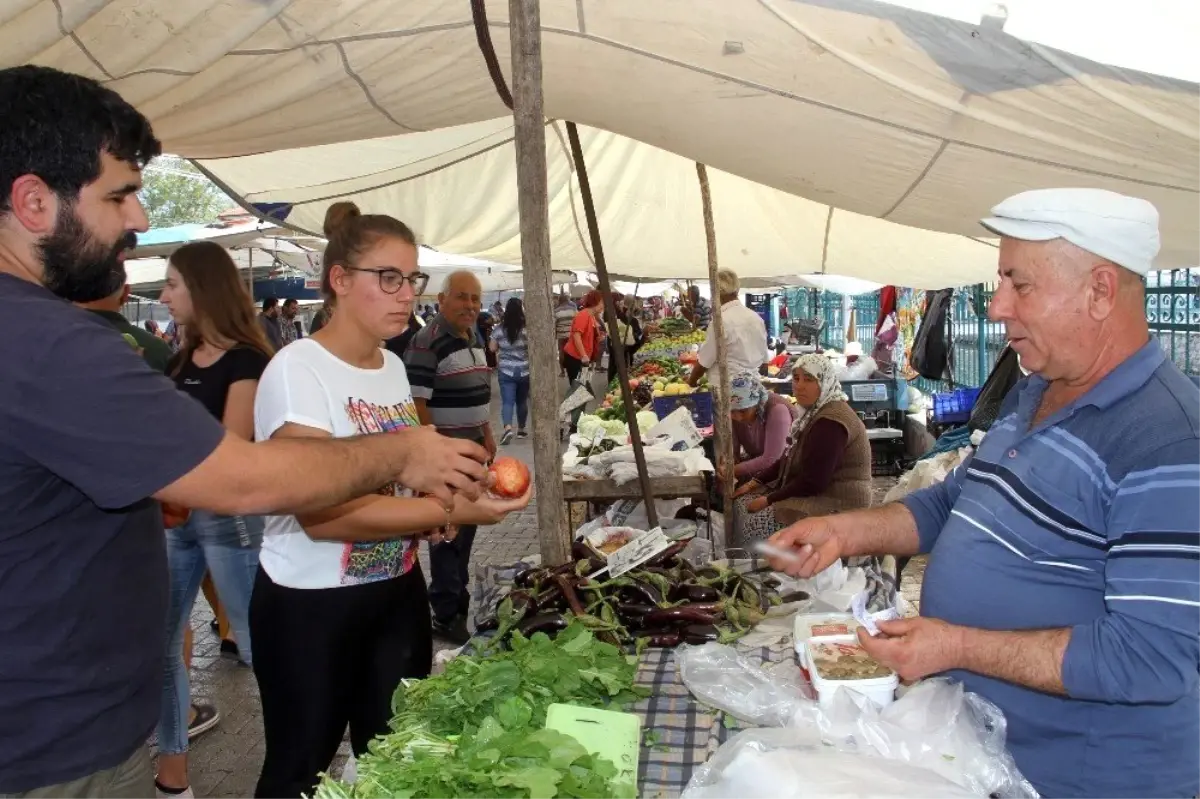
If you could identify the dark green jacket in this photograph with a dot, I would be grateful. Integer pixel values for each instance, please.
(154, 349)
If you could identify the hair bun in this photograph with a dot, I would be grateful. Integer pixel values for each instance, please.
(339, 216)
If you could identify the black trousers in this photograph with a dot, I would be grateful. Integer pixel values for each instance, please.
(573, 366)
(450, 576)
(328, 658)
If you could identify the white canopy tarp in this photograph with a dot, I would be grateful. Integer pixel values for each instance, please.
(147, 275)
(904, 121)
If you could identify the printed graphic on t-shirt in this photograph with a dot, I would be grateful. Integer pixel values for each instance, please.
(370, 561)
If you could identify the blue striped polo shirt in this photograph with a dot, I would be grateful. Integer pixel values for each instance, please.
(450, 372)
(1090, 521)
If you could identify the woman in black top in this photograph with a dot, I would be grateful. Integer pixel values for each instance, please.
(222, 356)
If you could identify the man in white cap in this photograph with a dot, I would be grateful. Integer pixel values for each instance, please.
(1062, 582)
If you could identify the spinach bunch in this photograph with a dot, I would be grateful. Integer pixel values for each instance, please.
(477, 728)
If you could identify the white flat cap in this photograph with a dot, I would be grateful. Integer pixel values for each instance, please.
(1120, 229)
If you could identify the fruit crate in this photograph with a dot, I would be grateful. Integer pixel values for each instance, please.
(700, 404)
(953, 407)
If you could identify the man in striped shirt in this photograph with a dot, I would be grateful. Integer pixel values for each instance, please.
(452, 389)
(1062, 583)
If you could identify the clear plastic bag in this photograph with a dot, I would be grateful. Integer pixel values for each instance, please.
(795, 764)
(934, 725)
(719, 677)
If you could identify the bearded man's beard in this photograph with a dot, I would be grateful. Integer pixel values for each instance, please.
(77, 267)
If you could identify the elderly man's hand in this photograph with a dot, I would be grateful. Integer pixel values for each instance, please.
(915, 648)
(813, 543)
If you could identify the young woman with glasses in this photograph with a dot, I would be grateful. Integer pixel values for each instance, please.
(339, 611)
(223, 354)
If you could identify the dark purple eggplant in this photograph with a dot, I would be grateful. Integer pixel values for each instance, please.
(632, 613)
(551, 599)
(641, 592)
(581, 551)
(694, 593)
(684, 614)
(524, 603)
(697, 634)
(545, 623)
(527, 577)
(568, 592)
(668, 555)
(487, 625)
(663, 638)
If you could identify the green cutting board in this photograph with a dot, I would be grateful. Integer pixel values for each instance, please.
(605, 733)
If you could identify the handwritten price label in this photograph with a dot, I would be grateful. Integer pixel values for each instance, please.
(637, 552)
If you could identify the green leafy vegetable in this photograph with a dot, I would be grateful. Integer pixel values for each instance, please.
(477, 729)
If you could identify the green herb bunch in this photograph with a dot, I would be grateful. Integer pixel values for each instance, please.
(477, 728)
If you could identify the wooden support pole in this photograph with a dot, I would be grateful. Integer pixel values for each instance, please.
(723, 423)
(525, 27)
(610, 311)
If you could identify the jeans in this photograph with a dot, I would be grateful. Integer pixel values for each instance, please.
(329, 658)
(450, 576)
(227, 547)
(514, 392)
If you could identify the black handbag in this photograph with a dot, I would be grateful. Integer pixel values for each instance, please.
(931, 350)
(1005, 374)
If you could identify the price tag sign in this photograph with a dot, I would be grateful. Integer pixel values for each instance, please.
(637, 552)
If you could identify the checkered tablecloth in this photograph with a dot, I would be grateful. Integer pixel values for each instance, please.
(688, 733)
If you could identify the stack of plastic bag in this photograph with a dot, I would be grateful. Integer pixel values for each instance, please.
(934, 740)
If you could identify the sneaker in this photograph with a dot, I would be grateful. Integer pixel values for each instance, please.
(507, 437)
(454, 632)
(205, 719)
(522, 434)
(160, 793)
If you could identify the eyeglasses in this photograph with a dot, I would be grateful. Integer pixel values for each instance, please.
(391, 280)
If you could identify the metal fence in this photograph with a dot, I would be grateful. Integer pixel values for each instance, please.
(1172, 311)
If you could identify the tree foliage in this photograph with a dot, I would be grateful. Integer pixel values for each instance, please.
(175, 193)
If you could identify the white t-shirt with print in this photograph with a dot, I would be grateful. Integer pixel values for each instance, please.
(307, 385)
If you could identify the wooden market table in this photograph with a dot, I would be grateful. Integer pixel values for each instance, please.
(595, 492)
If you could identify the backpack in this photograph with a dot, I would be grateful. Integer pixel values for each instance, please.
(931, 356)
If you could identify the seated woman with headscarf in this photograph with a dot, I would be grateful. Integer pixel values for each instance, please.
(761, 420)
(826, 465)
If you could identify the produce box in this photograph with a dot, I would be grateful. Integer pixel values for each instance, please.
(954, 406)
(700, 404)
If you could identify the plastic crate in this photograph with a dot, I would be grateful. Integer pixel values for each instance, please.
(954, 406)
(699, 403)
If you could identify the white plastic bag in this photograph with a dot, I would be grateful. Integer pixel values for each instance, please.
(793, 764)
(719, 677)
(935, 725)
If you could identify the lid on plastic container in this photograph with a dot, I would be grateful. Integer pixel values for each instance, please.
(844, 661)
(824, 625)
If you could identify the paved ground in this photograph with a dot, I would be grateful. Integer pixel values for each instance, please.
(226, 761)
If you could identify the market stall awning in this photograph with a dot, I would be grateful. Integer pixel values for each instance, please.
(904, 121)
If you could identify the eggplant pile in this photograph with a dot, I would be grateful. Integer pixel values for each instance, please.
(664, 602)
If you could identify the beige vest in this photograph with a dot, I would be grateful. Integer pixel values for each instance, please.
(851, 485)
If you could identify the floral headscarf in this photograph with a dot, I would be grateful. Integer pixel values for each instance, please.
(822, 369)
(746, 391)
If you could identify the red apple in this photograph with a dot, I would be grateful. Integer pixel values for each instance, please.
(511, 478)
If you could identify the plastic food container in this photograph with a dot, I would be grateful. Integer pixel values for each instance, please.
(821, 625)
(881, 690)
